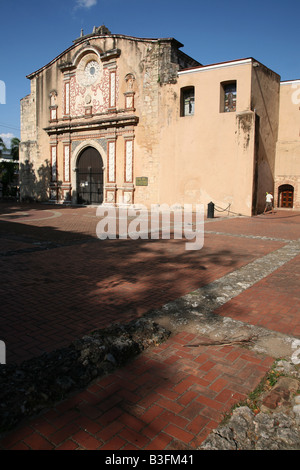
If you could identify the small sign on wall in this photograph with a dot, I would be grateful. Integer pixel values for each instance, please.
(141, 181)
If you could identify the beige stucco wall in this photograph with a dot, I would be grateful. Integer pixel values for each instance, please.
(227, 158)
(208, 156)
(265, 102)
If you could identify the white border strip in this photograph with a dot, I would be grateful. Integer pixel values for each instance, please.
(290, 82)
(216, 66)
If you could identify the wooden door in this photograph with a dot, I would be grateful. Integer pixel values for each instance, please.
(286, 196)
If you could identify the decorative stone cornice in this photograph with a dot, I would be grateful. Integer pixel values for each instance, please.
(104, 123)
(112, 54)
(66, 66)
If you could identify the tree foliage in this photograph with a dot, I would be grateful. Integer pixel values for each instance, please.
(9, 168)
(14, 148)
(2, 146)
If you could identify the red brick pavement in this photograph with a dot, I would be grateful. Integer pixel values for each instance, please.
(273, 302)
(281, 224)
(169, 398)
(51, 297)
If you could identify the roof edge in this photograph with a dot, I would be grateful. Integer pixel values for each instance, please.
(84, 39)
(290, 82)
(229, 63)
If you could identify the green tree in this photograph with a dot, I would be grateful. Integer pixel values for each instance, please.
(8, 168)
(2, 146)
(14, 148)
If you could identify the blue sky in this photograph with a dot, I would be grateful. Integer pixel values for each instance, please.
(34, 32)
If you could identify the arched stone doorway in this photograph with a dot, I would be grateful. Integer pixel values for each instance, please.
(89, 182)
(286, 196)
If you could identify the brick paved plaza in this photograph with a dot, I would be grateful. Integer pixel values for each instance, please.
(59, 282)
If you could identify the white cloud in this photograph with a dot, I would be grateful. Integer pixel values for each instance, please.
(6, 138)
(86, 3)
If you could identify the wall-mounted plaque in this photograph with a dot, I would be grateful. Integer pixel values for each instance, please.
(141, 181)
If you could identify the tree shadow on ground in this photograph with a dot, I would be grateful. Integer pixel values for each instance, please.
(74, 283)
(62, 285)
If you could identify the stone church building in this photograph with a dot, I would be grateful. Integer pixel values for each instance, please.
(118, 119)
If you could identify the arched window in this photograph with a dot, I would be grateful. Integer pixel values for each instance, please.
(187, 101)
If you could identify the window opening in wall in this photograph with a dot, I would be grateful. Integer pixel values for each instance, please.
(228, 97)
(187, 101)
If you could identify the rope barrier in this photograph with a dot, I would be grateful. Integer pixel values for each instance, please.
(229, 211)
(222, 210)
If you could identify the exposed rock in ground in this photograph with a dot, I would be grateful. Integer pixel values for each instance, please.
(36, 384)
(247, 431)
(275, 427)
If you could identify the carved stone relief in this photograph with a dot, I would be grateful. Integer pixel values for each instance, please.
(129, 158)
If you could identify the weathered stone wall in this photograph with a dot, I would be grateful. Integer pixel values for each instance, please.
(287, 170)
(149, 64)
(28, 156)
(265, 104)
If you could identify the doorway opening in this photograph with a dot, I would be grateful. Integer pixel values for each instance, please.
(90, 177)
(285, 195)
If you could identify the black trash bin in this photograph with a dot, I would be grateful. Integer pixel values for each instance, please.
(210, 210)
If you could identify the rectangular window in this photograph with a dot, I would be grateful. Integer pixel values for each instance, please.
(187, 101)
(228, 97)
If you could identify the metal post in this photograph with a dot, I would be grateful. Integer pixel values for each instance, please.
(210, 210)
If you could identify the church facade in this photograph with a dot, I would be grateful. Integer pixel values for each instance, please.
(117, 119)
